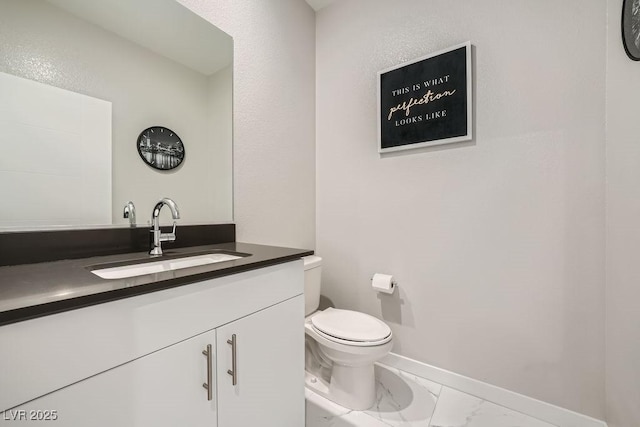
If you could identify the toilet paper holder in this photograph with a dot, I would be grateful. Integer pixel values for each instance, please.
(384, 283)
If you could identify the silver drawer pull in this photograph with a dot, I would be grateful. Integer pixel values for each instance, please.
(234, 370)
(209, 384)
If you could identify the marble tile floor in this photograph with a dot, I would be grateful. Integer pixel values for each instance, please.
(405, 400)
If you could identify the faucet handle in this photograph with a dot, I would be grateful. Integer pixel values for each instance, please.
(169, 237)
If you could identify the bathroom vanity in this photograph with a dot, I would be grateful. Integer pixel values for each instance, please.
(215, 345)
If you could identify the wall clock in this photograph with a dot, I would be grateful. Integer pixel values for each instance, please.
(631, 28)
(161, 148)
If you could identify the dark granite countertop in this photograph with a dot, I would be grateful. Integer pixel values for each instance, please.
(28, 291)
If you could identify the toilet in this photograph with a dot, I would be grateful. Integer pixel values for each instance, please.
(341, 347)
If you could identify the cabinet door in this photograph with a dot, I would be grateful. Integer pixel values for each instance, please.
(269, 365)
(164, 388)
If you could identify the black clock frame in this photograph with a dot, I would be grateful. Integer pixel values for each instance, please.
(633, 51)
(174, 150)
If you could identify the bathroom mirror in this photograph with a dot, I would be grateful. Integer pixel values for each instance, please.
(79, 81)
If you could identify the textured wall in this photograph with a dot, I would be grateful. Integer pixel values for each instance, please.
(274, 116)
(220, 113)
(623, 231)
(46, 44)
(497, 244)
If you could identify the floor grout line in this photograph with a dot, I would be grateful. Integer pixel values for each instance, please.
(435, 407)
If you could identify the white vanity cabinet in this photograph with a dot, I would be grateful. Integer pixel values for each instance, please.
(260, 312)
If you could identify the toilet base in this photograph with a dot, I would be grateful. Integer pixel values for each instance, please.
(353, 387)
(316, 384)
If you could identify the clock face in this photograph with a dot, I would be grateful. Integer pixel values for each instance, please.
(160, 148)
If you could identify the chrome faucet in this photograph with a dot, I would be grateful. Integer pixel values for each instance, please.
(130, 212)
(158, 236)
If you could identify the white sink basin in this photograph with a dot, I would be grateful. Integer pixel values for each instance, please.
(133, 270)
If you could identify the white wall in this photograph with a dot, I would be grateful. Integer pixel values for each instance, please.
(274, 117)
(623, 230)
(220, 116)
(46, 44)
(497, 244)
(45, 148)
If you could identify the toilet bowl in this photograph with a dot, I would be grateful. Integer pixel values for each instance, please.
(342, 347)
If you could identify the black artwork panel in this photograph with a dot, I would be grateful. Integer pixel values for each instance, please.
(425, 101)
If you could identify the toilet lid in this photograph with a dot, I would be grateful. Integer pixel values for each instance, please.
(350, 325)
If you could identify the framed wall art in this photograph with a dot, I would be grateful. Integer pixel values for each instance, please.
(427, 101)
(631, 28)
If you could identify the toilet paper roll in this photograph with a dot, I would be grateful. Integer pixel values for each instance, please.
(383, 283)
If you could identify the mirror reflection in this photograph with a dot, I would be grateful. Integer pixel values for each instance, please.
(80, 81)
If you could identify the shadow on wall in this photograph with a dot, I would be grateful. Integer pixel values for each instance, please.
(325, 303)
(391, 308)
(422, 150)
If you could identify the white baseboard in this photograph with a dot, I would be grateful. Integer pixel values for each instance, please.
(527, 405)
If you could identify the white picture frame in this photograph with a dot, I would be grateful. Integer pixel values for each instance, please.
(424, 127)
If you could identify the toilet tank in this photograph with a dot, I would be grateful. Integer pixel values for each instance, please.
(312, 272)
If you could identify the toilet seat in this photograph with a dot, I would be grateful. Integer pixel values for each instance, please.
(351, 328)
